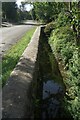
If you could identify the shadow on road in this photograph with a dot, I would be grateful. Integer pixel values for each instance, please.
(33, 24)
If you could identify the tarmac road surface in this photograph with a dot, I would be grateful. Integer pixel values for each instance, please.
(10, 35)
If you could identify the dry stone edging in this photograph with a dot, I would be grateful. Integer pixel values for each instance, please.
(16, 94)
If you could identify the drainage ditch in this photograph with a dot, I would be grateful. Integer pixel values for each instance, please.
(50, 86)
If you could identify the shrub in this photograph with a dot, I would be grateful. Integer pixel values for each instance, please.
(61, 38)
(62, 20)
(49, 27)
(62, 42)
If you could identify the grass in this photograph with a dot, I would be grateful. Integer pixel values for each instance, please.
(12, 56)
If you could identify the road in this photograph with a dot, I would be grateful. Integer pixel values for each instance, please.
(10, 35)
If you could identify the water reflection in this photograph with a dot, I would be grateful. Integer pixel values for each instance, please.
(51, 87)
(52, 92)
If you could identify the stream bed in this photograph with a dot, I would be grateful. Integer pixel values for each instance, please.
(50, 88)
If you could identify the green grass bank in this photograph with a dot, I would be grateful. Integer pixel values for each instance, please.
(10, 59)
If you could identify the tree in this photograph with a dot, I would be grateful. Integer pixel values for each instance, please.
(9, 10)
(74, 10)
(47, 11)
(23, 13)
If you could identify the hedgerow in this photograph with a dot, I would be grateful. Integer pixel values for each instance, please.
(62, 41)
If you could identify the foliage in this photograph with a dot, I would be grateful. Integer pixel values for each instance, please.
(23, 15)
(74, 18)
(62, 41)
(62, 19)
(47, 11)
(49, 27)
(12, 56)
(60, 38)
(9, 10)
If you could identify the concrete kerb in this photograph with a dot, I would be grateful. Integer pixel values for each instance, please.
(16, 94)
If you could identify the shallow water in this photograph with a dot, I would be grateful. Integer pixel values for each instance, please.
(51, 87)
(52, 92)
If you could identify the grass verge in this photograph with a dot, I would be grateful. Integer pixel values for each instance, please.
(12, 56)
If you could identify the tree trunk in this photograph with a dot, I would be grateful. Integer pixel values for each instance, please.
(78, 32)
(70, 6)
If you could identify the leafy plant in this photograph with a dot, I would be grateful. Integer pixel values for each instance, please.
(62, 42)
(49, 27)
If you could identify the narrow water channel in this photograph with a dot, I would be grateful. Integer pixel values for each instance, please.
(51, 89)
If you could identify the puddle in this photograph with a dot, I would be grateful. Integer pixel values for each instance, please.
(51, 88)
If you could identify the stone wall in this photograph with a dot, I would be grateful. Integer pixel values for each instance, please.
(17, 93)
